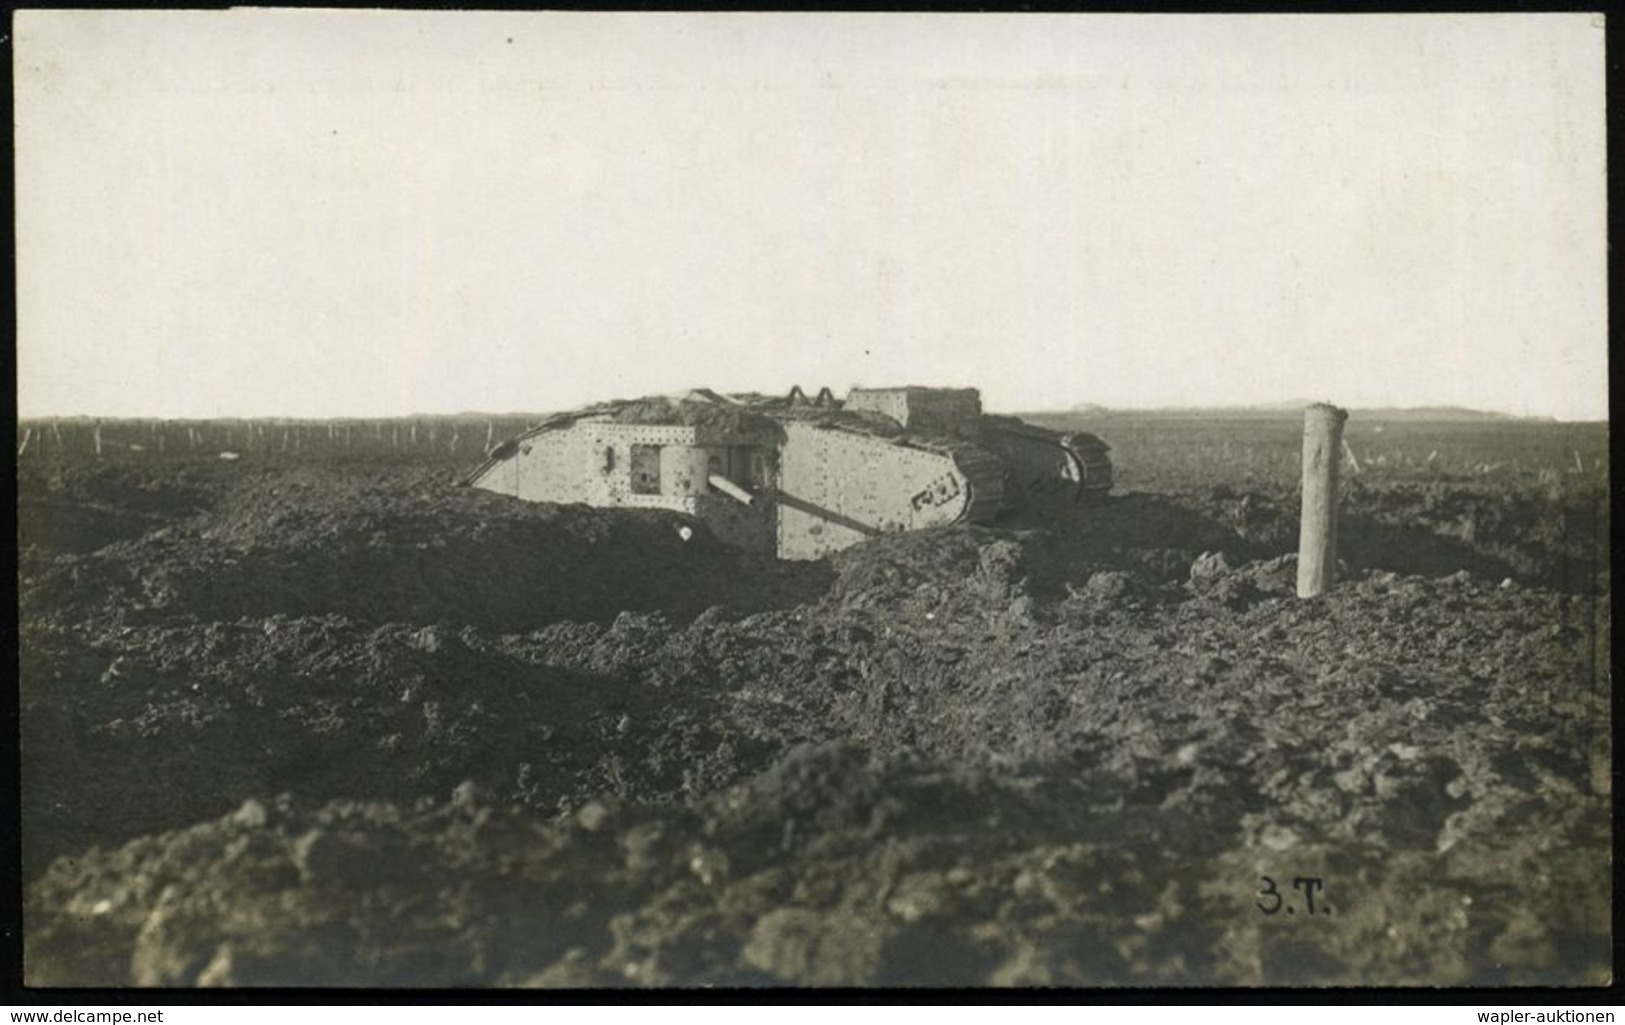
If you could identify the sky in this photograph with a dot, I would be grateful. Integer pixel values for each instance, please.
(361, 213)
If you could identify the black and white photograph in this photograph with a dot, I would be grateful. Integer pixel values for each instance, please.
(630, 500)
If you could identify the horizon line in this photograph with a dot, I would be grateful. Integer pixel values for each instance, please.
(1081, 409)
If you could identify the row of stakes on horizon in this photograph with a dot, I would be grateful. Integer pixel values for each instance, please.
(254, 436)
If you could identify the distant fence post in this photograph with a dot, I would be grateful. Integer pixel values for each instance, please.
(1317, 532)
(96, 437)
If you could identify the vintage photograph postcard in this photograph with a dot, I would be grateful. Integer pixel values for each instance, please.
(796, 500)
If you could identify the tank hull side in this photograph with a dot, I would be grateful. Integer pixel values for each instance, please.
(596, 461)
(584, 462)
(837, 488)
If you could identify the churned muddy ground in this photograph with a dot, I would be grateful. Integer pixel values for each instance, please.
(332, 721)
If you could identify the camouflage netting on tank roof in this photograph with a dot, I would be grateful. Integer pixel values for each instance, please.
(864, 420)
(661, 410)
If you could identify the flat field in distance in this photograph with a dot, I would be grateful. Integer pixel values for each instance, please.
(297, 710)
(1180, 452)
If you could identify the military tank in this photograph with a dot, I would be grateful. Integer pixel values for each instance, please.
(801, 477)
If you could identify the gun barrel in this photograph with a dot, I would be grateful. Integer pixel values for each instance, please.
(732, 490)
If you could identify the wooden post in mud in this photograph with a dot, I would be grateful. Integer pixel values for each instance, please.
(96, 437)
(1317, 532)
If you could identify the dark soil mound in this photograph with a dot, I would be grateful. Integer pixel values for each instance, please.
(475, 741)
(371, 546)
(1540, 535)
(79, 508)
(826, 870)
(327, 707)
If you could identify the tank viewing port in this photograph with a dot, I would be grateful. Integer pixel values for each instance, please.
(646, 469)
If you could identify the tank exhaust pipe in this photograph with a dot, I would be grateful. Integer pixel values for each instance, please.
(732, 490)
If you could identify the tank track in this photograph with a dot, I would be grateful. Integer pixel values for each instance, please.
(1091, 466)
